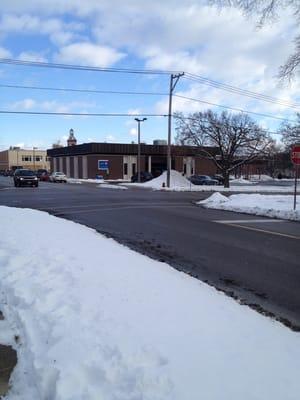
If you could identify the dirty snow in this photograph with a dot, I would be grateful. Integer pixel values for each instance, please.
(99, 321)
(275, 206)
(111, 186)
(180, 183)
(176, 180)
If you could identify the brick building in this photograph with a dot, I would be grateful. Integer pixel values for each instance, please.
(16, 157)
(119, 161)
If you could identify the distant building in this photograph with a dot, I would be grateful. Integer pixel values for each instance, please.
(119, 160)
(15, 157)
(71, 140)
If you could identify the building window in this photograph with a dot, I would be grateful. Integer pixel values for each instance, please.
(125, 169)
(184, 169)
(192, 171)
(38, 158)
(48, 158)
(26, 158)
(133, 169)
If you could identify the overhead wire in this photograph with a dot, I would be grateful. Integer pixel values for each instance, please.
(85, 67)
(236, 90)
(82, 114)
(234, 108)
(82, 90)
(187, 75)
(206, 120)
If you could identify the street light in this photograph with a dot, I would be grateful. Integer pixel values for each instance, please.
(139, 147)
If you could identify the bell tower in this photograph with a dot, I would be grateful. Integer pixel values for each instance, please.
(71, 140)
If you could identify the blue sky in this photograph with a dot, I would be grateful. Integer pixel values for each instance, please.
(179, 35)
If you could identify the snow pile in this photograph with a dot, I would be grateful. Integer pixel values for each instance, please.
(177, 181)
(75, 180)
(241, 181)
(261, 177)
(111, 186)
(180, 184)
(216, 198)
(99, 321)
(275, 206)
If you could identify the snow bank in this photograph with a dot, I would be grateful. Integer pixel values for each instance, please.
(176, 181)
(216, 198)
(110, 186)
(261, 177)
(274, 206)
(98, 321)
(180, 184)
(241, 181)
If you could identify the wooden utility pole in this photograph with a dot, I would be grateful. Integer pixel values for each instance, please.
(174, 78)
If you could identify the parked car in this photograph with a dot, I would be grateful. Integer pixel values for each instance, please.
(58, 177)
(218, 178)
(42, 175)
(145, 177)
(203, 180)
(25, 177)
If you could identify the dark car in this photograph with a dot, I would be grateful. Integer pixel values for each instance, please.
(202, 180)
(145, 177)
(25, 177)
(218, 178)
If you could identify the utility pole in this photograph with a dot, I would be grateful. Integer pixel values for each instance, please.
(174, 78)
(139, 147)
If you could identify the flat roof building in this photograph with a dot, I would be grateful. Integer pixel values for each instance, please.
(15, 157)
(119, 161)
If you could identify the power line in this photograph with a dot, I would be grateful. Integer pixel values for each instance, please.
(84, 67)
(193, 77)
(206, 120)
(83, 90)
(188, 75)
(81, 114)
(236, 90)
(234, 109)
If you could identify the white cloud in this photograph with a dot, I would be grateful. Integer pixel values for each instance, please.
(177, 34)
(29, 104)
(23, 105)
(134, 111)
(133, 132)
(110, 138)
(85, 53)
(4, 53)
(31, 56)
(59, 32)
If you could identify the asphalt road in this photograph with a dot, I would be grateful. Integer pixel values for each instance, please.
(256, 260)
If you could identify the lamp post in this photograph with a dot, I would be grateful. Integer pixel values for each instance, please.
(139, 147)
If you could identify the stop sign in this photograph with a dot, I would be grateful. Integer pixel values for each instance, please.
(295, 154)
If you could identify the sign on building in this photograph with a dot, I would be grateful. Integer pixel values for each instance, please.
(103, 165)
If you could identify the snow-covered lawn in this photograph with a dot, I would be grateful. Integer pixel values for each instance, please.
(268, 205)
(180, 183)
(99, 321)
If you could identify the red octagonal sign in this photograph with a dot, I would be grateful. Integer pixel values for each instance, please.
(295, 154)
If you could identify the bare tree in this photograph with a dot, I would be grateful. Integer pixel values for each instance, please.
(290, 133)
(269, 10)
(229, 140)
